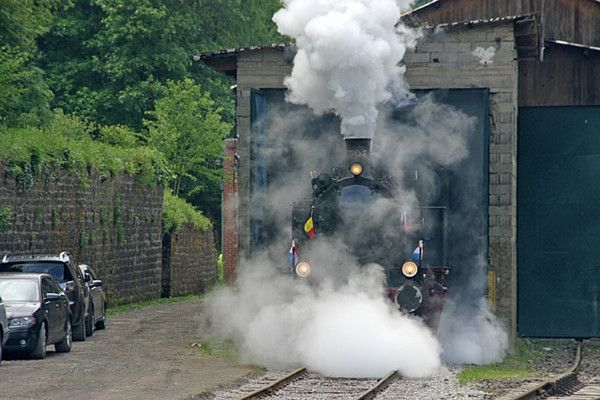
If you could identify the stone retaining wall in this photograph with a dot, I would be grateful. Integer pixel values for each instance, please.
(112, 224)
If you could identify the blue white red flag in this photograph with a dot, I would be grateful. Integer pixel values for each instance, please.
(417, 255)
(293, 256)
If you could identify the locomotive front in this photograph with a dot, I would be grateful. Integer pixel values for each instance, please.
(358, 203)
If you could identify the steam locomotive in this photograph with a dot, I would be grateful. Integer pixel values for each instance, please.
(358, 203)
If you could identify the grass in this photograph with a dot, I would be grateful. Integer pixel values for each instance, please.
(514, 367)
(117, 310)
(225, 349)
(219, 348)
(504, 370)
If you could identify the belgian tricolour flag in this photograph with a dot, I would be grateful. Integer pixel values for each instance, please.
(309, 228)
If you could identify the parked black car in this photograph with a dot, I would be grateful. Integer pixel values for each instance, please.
(96, 315)
(3, 326)
(68, 276)
(38, 313)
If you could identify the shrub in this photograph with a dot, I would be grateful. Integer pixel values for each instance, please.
(176, 212)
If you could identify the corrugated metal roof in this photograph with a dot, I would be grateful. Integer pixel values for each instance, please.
(580, 46)
(231, 52)
(433, 2)
(497, 20)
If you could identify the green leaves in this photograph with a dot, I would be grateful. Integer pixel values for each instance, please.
(187, 128)
(177, 212)
(117, 68)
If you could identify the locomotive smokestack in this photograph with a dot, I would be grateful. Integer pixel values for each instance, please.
(358, 151)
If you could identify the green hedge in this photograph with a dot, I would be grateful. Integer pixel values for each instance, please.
(34, 153)
(176, 212)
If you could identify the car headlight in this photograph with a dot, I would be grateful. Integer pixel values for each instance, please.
(21, 322)
(303, 269)
(409, 269)
(356, 169)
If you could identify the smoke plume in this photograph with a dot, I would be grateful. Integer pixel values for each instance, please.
(348, 57)
(338, 325)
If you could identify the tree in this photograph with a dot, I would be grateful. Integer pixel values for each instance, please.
(187, 128)
(24, 95)
(108, 60)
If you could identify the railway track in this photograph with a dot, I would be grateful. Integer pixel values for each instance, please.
(301, 384)
(563, 387)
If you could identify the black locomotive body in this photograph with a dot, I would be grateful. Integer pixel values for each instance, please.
(359, 203)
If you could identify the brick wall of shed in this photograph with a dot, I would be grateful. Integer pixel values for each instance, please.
(191, 267)
(445, 60)
(113, 224)
(229, 206)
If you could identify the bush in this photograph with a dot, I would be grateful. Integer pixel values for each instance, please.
(34, 153)
(176, 212)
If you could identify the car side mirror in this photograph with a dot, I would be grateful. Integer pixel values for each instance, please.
(97, 283)
(52, 296)
(87, 277)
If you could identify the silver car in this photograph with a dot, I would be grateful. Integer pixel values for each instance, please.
(3, 327)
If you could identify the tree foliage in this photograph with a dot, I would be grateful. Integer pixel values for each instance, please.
(119, 73)
(109, 59)
(24, 95)
(186, 127)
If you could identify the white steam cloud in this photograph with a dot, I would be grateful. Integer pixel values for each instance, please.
(348, 57)
(341, 325)
(472, 335)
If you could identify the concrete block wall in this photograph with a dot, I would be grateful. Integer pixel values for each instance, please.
(113, 224)
(445, 60)
(191, 267)
(261, 69)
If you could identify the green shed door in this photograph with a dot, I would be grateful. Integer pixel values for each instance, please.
(558, 226)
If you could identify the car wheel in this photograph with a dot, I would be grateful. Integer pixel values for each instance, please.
(64, 346)
(89, 323)
(79, 330)
(39, 351)
(102, 324)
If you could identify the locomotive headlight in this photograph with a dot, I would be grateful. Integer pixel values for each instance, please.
(409, 269)
(303, 269)
(356, 169)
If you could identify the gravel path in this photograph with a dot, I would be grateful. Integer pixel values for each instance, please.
(143, 354)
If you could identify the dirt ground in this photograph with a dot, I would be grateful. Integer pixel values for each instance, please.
(143, 354)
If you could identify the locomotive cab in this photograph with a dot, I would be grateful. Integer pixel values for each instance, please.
(357, 205)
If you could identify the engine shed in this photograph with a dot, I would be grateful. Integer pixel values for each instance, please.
(537, 104)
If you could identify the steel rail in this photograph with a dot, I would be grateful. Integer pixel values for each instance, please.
(379, 386)
(556, 384)
(274, 385)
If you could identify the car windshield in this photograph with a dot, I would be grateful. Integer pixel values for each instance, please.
(19, 290)
(58, 270)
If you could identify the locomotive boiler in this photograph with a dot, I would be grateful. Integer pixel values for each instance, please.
(359, 203)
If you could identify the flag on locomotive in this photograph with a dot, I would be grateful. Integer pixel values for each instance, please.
(309, 228)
